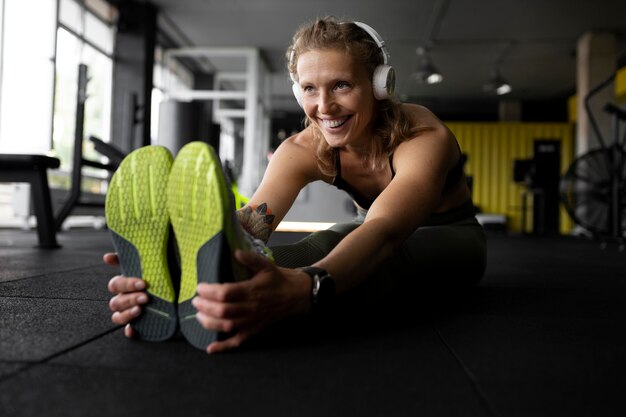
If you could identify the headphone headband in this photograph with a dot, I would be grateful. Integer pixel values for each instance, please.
(380, 42)
(383, 79)
(376, 37)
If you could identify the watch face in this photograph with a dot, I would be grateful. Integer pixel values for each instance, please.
(323, 289)
(317, 283)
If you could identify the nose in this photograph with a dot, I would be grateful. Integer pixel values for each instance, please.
(326, 102)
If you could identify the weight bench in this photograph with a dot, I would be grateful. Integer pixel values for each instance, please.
(33, 169)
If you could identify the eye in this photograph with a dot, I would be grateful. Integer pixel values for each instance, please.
(342, 85)
(308, 89)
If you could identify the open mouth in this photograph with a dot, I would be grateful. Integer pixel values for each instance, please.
(334, 123)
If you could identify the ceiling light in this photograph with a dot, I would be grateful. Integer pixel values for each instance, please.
(497, 84)
(426, 72)
(503, 88)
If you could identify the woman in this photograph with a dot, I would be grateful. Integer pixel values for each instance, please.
(401, 165)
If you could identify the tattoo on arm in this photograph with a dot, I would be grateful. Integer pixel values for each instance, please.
(257, 220)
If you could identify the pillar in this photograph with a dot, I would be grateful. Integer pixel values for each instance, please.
(596, 61)
(132, 75)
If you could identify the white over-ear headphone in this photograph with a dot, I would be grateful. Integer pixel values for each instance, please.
(383, 79)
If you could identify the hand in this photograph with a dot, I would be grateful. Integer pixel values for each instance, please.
(245, 308)
(129, 296)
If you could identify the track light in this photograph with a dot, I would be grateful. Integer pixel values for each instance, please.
(497, 84)
(426, 72)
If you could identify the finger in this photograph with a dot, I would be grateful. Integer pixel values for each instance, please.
(129, 332)
(120, 284)
(111, 259)
(254, 261)
(221, 310)
(123, 302)
(228, 344)
(214, 323)
(224, 293)
(124, 317)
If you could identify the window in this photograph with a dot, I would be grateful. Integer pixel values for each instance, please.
(26, 75)
(40, 49)
(83, 37)
(172, 75)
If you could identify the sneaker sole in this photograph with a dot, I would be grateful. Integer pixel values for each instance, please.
(201, 208)
(139, 224)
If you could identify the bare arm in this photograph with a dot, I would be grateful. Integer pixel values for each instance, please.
(245, 308)
(414, 193)
(292, 167)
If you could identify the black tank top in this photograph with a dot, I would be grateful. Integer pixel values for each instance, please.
(452, 178)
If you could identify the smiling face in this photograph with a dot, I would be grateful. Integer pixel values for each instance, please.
(337, 96)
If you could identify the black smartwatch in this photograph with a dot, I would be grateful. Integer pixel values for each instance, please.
(323, 290)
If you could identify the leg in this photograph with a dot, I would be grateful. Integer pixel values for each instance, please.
(448, 257)
(312, 248)
(40, 191)
(435, 257)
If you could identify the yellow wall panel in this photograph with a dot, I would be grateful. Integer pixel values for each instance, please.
(491, 149)
(572, 108)
(620, 85)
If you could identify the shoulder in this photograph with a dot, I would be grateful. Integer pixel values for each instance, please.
(303, 141)
(298, 154)
(299, 148)
(426, 125)
(432, 139)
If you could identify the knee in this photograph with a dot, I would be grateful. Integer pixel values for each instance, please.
(306, 251)
(324, 241)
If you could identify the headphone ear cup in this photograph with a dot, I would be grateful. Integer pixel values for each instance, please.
(384, 82)
(297, 92)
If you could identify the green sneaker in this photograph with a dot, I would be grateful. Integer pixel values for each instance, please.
(202, 211)
(139, 225)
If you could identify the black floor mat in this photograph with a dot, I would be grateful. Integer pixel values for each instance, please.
(542, 335)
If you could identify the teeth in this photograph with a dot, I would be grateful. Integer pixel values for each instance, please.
(334, 123)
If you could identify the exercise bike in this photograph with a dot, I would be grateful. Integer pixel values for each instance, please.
(593, 189)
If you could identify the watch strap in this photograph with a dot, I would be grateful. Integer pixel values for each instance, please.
(322, 287)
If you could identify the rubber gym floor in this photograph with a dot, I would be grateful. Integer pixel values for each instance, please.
(544, 334)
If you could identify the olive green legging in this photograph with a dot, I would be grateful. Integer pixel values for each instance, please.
(449, 251)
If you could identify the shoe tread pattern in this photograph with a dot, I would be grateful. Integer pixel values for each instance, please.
(137, 217)
(201, 208)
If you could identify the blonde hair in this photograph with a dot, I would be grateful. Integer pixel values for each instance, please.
(392, 125)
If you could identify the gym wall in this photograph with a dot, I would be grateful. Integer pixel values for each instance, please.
(492, 148)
